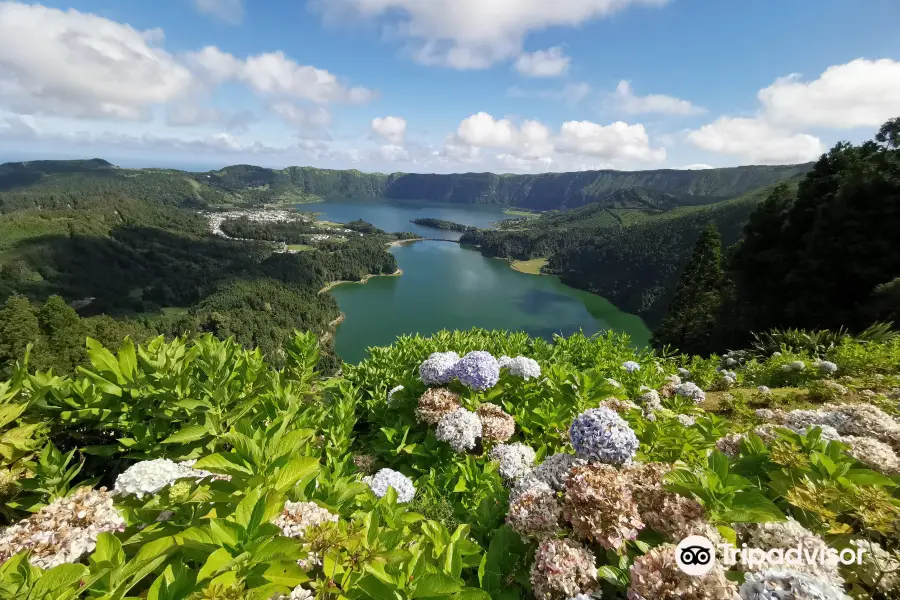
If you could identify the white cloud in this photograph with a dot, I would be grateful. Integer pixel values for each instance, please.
(861, 93)
(537, 147)
(189, 115)
(571, 93)
(393, 153)
(625, 100)
(617, 141)
(230, 11)
(70, 63)
(274, 74)
(392, 129)
(315, 117)
(543, 63)
(757, 141)
(472, 34)
(696, 167)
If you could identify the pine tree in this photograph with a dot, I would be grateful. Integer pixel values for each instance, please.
(18, 328)
(690, 325)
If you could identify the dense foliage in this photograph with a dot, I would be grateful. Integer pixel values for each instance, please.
(821, 257)
(443, 224)
(195, 470)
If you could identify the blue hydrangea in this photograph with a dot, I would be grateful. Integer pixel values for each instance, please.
(477, 370)
(599, 434)
(438, 368)
(826, 366)
(631, 366)
(388, 478)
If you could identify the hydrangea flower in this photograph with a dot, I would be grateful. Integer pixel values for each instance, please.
(877, 565)
(600, 507)
(788, 584)
(460, 428)
(497, 425)
(388, 478)
(477, 370)
(764, 390)
(534, 513)
(393, 391)
(684, 373)
(438, 368)
(791, 534)
(365, 463)
(650, 401)
(63, 531)
(686, 420)
(516, 460)
(613, 382)
(826, 367)
(602, 435)
(562, 569)
(296, 517)
(690, 390)
(631, 366)
(673, 515)
(797, 365)
(656, 576)
(150, 476)
(521, 366)
(434, 404)
(526, 484)
(555, 470)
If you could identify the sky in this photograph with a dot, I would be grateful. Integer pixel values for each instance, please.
(515, 86)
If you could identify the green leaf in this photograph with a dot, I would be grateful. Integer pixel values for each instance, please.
(286, 573)
(214, 563)
(57, 579)
(226, 464)
(295, 470)
(472, 594)
(436, 584)
(127, 360)
(103, 359)
(191, 433)
(867, 477)
(376, 589)
(225, 532)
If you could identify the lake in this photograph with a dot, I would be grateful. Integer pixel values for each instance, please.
(446, 286)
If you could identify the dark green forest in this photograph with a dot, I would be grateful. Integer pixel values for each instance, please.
(821, 256)
(443, 224)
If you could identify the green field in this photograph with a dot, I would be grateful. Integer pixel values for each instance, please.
(299, 247)
(532, 267)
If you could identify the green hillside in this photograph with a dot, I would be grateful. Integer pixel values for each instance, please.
(249, 185)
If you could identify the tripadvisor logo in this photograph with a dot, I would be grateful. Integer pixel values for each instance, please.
(696, 555)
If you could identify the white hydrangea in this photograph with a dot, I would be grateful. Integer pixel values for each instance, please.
(459, 428)
(150, 476)
(877, 565)
(826, 367)
(63, 531)
(631, 366)
(388, 478)
(764, 390)
(516, 460)
(528, 483)
(787, 584)
(650, 401)
(690, 390)
(686, 420)
(521, 366)
(297, 517)
(394, 390)
(437, 369)
(797, 365)
(791, 534)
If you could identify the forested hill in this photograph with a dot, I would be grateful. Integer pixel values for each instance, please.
(245, 184)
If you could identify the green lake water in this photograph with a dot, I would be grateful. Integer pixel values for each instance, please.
(446, 286)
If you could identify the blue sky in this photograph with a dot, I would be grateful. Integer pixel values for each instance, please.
(445, 85)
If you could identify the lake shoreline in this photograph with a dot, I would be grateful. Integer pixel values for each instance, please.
(365, 279)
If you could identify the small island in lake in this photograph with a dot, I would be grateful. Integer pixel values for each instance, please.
(442, 224)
